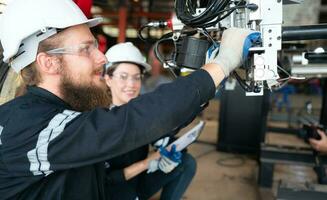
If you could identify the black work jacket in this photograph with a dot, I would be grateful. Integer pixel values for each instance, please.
(49, 151)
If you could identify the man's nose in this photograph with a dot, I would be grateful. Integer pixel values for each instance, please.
(99, 57)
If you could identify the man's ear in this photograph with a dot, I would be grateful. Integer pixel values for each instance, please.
(47, 63)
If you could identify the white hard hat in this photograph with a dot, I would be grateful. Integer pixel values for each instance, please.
(126, 52)
(25, 23)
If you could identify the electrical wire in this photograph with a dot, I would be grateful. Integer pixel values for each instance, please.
(206, 33)
(186, 12)
(157, 51)
(284, 81)
(283, 70)
(164, 38)
(289, 75)
(148, 39)
(228, 10)
(169, 37)
(154, 24)
(242, 83)
(215, 11)
(139, 33)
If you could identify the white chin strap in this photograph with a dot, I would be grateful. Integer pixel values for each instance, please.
(28, 49)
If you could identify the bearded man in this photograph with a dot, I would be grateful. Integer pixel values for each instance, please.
(55, 139)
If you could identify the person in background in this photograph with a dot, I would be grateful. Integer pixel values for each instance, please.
(320, 145)
(127, 174)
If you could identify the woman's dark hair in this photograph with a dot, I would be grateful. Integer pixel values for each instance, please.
(113, 67)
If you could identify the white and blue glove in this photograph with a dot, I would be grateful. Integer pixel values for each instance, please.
(168, 161)
(251, 39)
(233, 50)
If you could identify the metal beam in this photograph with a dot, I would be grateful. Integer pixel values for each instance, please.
(292, 1)
(288, 155)
(273, 154)
(317, 70)
(122, 20)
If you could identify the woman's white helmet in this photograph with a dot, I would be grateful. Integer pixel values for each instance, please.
(25, 23)
(126, 52)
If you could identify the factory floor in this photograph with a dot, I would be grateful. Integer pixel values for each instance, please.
(227, 176)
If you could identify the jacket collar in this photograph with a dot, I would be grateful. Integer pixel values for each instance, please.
(45, 94)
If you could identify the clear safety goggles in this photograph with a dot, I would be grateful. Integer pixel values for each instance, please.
(84, 49)
(124, 77)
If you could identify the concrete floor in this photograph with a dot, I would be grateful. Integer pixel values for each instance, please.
(221, 176)
(226, 176)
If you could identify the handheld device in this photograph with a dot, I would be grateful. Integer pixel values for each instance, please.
(189, 137)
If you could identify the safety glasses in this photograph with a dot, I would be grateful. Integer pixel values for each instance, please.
(124, 77)
(84, 49)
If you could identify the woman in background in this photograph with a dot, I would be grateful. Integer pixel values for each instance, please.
(137, 175)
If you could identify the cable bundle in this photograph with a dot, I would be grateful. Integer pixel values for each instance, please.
(213, 13)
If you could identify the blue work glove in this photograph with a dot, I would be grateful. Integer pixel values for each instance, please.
(248, 43)
(235, 44)
(161, 143)
(167, 162)
(169, 159)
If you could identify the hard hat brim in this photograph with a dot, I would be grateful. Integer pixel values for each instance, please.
(146, 66)
(93, 22)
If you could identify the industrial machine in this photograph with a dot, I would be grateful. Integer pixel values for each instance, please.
(197, 28)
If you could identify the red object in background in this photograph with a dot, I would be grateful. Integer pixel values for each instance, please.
(102, 43)
(85, 6)
(122, 24)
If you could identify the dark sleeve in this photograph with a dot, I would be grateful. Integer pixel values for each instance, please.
(73, 139)
(175, 131)
(116, 176)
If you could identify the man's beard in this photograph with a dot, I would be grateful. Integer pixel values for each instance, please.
(84, 97)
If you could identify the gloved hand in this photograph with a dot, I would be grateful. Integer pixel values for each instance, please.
(167, 162)
(234, 48)
(153, 166)
(161, 143)
(169, 159)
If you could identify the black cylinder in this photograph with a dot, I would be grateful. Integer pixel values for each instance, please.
(191, 52)
(312, 32)
(316, 57)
